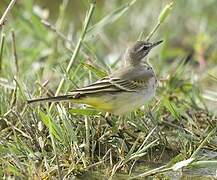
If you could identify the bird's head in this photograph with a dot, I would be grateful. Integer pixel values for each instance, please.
(136, 53)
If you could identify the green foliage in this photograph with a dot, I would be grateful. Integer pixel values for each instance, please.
(45, 141)
(109, 19)
(99, 73)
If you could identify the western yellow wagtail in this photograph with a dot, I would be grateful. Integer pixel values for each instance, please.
(124, 90)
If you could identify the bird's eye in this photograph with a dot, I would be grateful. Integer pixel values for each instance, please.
(143, 48)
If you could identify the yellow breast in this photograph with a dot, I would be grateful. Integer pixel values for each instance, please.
(99, 103)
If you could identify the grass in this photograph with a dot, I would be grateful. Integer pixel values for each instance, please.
(175, 131)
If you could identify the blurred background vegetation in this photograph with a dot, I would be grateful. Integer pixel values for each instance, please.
(189, 32)
(186, 65)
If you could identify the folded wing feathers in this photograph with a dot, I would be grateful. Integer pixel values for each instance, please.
(108, 85)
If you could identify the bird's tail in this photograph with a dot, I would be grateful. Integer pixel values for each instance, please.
(52, 99)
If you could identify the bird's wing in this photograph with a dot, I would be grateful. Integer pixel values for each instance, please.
(108, 84)
(128, 79)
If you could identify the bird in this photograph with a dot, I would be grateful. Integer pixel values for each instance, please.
(125, 90)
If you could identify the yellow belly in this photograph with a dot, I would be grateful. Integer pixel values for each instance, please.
(98, 103)
(118, 103)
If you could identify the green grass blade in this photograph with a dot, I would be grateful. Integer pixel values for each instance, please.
(51, 125)
(99, 73)
(109, 19)
(171, 107)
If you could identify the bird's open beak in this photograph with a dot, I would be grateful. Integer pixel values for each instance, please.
(156, 43)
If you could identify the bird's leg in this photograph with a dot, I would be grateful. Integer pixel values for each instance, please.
(123, 127)
(121, 121)
(110, 123)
